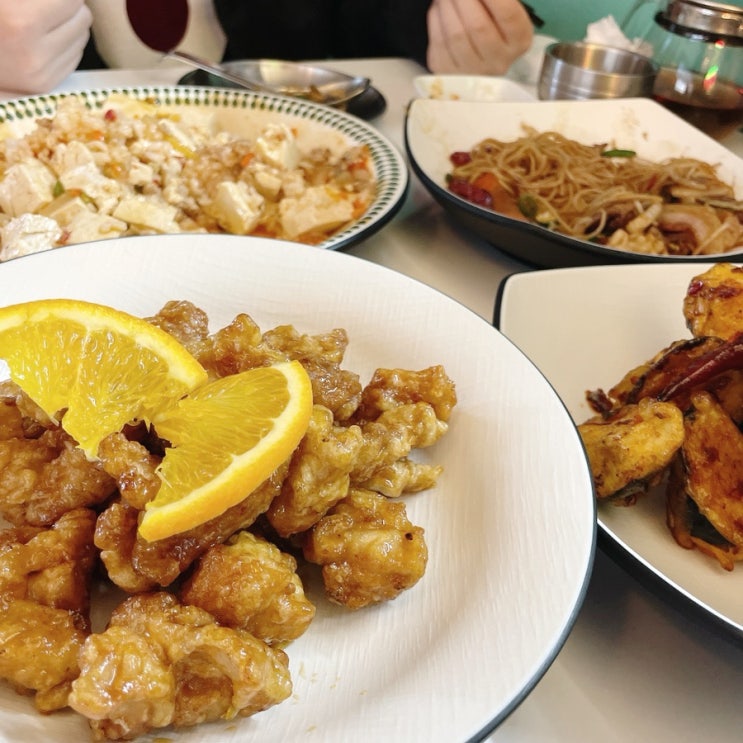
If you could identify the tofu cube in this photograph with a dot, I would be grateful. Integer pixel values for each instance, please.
(71, 155)
(89, 225)
(237, 207)
(145, 213)
(318, 209)
(276, 146)
(25, 188)
(29, 233)
(87, 179)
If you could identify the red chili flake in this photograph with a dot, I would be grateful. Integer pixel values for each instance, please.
(460, 158)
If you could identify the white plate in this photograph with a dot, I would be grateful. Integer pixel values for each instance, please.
(435, 129)
(470, 88)
(246, 113)
(510, 526)
(589, 327)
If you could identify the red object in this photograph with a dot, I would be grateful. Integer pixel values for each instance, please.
(159, 24)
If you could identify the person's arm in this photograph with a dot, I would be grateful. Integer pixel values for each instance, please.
(476, 36)
(42, 42)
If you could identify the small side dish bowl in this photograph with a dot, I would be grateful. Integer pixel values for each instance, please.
(581, 70)
(470, 88)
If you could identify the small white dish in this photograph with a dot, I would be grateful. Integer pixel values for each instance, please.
(593, 325)
(470, 88)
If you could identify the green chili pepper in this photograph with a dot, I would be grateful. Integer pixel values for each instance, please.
(528, 205)
(618, 153)
(58, 189)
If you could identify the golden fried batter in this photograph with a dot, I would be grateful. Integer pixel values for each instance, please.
(133, 468)
(249, 583)
(50, 566)
(39, 647)
(160, 663)
(133, 559)
(713, 304)
(43, 478)
(115, 537)
(319, 474)
(713, 463)
(628, 451)
(241, 345)
(45, 599)
(402, 476)
(368, 549)
(236, 348)
(393, 435)
(186, 322)
(687, 525)
(321, 355)
(389, 388)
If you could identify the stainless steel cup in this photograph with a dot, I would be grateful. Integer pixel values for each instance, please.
(579, 70)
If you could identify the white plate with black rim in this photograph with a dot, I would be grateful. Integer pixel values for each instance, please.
(434, 129)
(593, 325)
(244, 112)
(510, 526)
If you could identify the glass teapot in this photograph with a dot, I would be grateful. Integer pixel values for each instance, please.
(698, 46)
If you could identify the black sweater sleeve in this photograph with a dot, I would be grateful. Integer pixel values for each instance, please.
(317, 29)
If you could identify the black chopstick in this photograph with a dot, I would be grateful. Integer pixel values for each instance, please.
(535, 19)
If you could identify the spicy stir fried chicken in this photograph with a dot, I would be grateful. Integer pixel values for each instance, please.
(207, 616)
(675, 421)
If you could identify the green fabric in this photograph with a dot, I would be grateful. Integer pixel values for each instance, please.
(568, 19)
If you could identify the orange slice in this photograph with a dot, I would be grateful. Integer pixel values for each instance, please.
(101, 367)
(226, 438)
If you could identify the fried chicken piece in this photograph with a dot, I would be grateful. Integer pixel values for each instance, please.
(241, 345)
(162, 664)
(43, 478)
(249, 583)
(50, 566)
(39, 647)
(712, 454)
(319, 474)
(236, 348)
(628, 451)
(45, 599)
(131, 559)
(689, 527)
(133, 468)
(389, 388)
(393, 435)
(403, 476)
(368, 549)
(713, 304)
(321, 355)
(186, 322)
(115, 537)
(11, 420)
(34, 420)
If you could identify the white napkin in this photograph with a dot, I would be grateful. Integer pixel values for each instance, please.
(607, 31)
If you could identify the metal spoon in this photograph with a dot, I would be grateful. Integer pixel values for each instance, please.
(336, 92)
(162, 25)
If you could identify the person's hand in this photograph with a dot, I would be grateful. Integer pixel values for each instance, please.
(42, 41)
(476, 36)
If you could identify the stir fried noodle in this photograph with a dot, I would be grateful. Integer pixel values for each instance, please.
(610, 196)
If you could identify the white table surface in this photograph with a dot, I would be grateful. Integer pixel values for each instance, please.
(634, 668)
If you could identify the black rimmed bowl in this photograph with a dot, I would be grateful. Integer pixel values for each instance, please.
(434, 129)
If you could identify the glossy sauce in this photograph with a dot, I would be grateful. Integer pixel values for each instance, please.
(717, 111)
